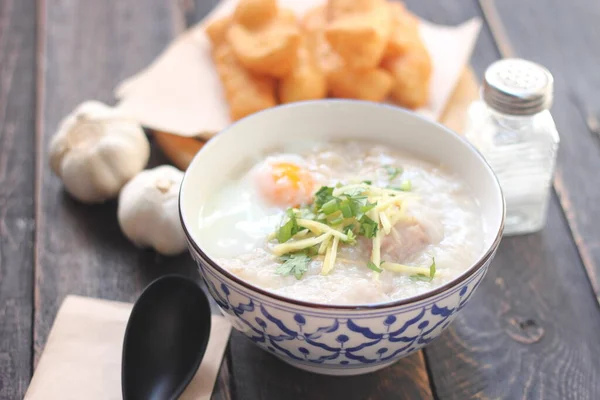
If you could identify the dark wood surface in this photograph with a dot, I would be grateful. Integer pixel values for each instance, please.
(530, 330)
(570, 48)
(17, 124)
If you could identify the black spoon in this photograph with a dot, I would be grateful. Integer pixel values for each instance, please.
(165, 339)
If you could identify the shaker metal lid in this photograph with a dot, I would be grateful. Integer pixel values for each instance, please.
(517, 87)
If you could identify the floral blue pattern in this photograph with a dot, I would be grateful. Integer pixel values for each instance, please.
(331, 338)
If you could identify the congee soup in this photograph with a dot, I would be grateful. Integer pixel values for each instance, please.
(343, 223)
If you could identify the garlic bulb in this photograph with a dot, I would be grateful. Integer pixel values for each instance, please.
(148, 210)
(96, 150)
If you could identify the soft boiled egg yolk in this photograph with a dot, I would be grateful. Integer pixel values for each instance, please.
(285, 183)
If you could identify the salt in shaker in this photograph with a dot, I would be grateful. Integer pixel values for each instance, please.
(514, 130)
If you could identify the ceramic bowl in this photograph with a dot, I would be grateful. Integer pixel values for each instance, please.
(331, 339)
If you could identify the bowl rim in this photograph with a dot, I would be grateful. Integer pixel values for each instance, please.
(475, 266)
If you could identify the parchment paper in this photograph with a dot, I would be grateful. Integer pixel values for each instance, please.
(180, 91)
(82, 358)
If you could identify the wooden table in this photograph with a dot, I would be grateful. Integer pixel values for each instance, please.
(530, 331)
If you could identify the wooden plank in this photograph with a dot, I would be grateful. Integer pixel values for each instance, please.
(529, 331)
(17, 105)
(570, 49)
(88, 47)
(259, 375)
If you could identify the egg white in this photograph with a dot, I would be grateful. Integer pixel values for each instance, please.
(236, 220)
(239, 218)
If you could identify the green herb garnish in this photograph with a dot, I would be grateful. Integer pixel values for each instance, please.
(367, 207)
(338, 215)
(351, 237)
(368, 227)
(392, 172)
(367, 182)
(405, 186)
(323, 195)
(293, 264)
(288, 229)
(330, 207)
(425, 278)
(312, 251)
(346, 208)
(336, 221)
(373, 267)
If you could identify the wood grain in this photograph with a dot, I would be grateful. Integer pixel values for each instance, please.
(17, 104)
(529, 330)
(89, 46)
(571, 50)
(260, 375)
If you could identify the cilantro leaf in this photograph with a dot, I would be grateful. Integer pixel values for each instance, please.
(356, 192)
(293, 264)
(368, 227)
(323, 195)
(373, 267)
(367, 182)
(392, 172)
(349, 228)
(367, 207)
(289, 229)
(423, 277)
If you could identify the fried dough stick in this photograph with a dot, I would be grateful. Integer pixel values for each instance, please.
(358, 30)
(245, 92)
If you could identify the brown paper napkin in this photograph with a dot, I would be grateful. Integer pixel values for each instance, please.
(82, 358)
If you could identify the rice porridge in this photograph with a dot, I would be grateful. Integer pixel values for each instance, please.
(343, 223)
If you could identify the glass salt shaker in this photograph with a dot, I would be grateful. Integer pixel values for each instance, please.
(514, 130)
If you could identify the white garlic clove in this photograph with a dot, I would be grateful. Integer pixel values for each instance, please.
(96, 150)
(148, 210)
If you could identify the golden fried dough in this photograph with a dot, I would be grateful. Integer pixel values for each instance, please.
(358, 30)
(287, 15)
(367, 84)
(405, 31)
(246, 93)
(306, 81)
(270, 49)
(315, 20)
(217, 30)
(314, 24)
(252, 13)
(412, 73)
(341, 8)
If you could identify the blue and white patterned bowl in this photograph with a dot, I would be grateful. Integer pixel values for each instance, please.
(330, 339)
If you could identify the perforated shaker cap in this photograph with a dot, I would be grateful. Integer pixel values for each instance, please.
(517, 87)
